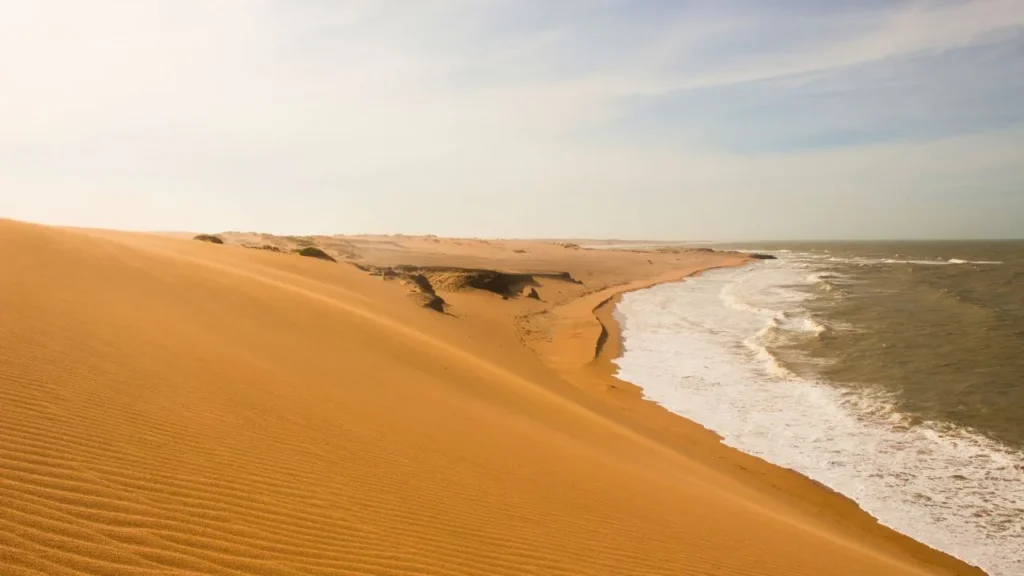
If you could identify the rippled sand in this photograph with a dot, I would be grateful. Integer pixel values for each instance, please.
(178, 407)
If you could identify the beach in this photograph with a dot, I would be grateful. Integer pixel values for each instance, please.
(887, 371)
(407, 405)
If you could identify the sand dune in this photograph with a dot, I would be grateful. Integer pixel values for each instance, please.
(178, 407)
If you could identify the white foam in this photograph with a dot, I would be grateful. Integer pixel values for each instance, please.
(862, 261)
(699, 349)
(982, 262)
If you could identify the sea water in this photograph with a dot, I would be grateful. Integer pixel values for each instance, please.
(892, 373)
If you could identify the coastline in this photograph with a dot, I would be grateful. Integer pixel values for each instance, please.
(691, 437)
(223, 410)
(610, 342)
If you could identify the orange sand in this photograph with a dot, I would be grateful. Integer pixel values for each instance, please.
(176, 407)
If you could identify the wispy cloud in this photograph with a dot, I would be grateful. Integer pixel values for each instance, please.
(631, 118)
(921, 95)
(792, 45)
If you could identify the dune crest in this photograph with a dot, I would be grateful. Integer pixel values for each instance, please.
(175, 407)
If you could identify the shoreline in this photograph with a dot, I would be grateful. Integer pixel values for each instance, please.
(210, 409)
(609, 344)
(790, 484)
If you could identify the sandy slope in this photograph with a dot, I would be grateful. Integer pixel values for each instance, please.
(175, 407)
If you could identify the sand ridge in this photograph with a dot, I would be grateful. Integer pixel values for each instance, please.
(178, 407)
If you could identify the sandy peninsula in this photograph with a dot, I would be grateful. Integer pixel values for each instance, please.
(390, 405)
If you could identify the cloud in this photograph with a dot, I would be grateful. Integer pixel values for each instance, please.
(925, 95)
(815, 41)
(465, 117)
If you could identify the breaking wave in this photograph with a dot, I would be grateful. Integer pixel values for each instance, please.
(703, 349)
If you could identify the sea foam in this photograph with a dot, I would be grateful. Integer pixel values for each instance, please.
(701, 349)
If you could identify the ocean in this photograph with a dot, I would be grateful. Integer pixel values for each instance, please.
(892, 372)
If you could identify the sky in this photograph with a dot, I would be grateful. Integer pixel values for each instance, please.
(630, 119)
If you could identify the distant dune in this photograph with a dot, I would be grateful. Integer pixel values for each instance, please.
(170, 406)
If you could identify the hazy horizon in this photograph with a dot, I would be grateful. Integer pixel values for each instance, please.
(640, 239)
(738, 121)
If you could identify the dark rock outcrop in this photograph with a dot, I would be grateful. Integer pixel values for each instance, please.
(425, 281)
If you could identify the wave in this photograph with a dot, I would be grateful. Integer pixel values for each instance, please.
(826, 281)
(826, 275)
(951, 488)
(876, 261)
(977, 262)
(802, 259)
(812, 258)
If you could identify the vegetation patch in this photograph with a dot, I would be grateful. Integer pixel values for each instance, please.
(267, 247)
(314, 252)
(209, 238)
